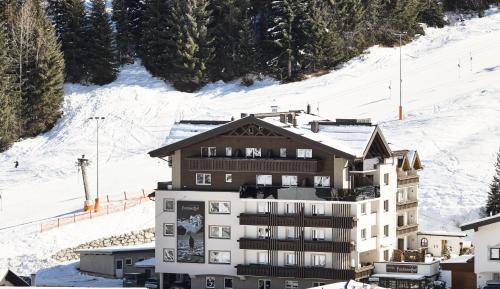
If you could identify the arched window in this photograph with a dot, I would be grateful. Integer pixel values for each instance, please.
(424, 242)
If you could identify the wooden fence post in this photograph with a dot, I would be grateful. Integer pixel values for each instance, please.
(58, 222)
(107, 197)
(74, 218)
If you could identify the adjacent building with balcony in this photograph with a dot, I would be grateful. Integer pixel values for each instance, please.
(277, 200)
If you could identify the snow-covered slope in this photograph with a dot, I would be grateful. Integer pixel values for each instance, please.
(452, 117)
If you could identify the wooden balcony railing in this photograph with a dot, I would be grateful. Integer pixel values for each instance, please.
(406, 180)
(406, 205)
(304, 272)
(295, 245)
(291, 221)
(401, 230)
(269, 165)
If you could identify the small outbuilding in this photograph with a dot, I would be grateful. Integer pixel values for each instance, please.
(115, 262)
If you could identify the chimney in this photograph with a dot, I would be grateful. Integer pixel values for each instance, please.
(274, 108)
(315, 126)
(282, 118)
(232, 118)
(243, 115)
(308, 110)
(289, 118)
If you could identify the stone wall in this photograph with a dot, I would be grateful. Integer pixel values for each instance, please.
(129, 239)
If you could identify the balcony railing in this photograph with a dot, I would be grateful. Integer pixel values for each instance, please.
(406, 205)
(406, 180)
(304, 272)
(271, 165)
(401, 230)
(309, 193)
(296, 245)
(291, 221)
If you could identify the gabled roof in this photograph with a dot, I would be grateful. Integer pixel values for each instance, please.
(480, 223)
(408, 159)
(345, 140)
(8, 277)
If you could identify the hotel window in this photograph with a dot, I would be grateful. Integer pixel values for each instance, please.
(318, 234)
(253, 152)
(290, 259)
(386, 255)
(262, 258)
(363, 234)
(220, 232)
(229, 178)
(318, 209)
(264, 180)
(424, 242)
(219, 257)
(283, 152)
(386, 231)
(219, 207)
(168, 229)
(228, 283)
(229, 151)
(291, 284)
(386, 206)
(321, 181)
(210, 282)
(363, 209)
(262, 208)
(386, 179)
(168, 205)
(208, 151)
(494, 253)
(264, 284)
(289, 181)
(203, 179)
(290, 208)
(168, 255)
(263, 233)
(304, 153)
(290, 233)
(318, 260)
(128, 262)
(317, 284)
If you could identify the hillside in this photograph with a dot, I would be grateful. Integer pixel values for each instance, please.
(452, 117)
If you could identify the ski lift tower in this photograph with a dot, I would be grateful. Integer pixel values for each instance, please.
(83, 163)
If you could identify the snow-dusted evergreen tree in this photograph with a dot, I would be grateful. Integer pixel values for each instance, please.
(8, 104)
(158, 45)
(247, 54)
(493, 203)
(136, 17)
(432, 14)
(194, 50)
(124, 38)
(102, 63)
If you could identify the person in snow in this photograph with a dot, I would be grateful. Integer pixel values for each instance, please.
(16, 164)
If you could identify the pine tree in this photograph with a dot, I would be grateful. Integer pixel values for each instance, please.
(8, 117)
(194, 49)
(43, 103)
(136, 10)
(102, 66)
(158, 44)
(124, 38)
(493, 203)
(247, 54)
(432, 14)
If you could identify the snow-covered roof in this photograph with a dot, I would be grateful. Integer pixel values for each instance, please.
(350, 137)
(118, 249)
(442, 233)
(480, 222)
(399, 276)
(459, 259)
(146, 263)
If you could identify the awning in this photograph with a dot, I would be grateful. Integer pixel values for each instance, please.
(399, 276)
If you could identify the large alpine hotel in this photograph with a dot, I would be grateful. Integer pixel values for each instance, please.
(281, 200)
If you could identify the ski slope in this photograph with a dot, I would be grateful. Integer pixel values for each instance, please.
(451, 98)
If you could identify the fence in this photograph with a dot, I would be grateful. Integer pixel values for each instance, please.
(109, 205)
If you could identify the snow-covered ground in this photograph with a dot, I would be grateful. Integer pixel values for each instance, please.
(68, 275)
(451, 97)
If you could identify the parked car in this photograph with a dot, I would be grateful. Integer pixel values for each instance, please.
(134, 280)
(492, 284)
(152, 283)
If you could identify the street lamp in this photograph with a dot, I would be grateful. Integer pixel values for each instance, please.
(400, 34)
(97, 118)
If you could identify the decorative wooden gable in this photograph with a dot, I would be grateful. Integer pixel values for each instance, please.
(252, 130)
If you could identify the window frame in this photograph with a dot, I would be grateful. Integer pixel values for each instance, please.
(167, 200)
(316, 238)
(313, 263)
(288, 181)
(266, 258)
(220, 251)
(386, 179)
(210, 211)
(304, 153)
(386, 255)
(386, 230)
(267, 178)
(266, 235)
(209, 151)
(363, 232)
(286, 261)
(282, 152)
(204, 177)
(165, 259)
(386, 205)
(220, 234)
(262, 205)
(319, 180)
(228, 178)
(206, 282)
(288, 236)
(165, 225)
(225, 286)
(314, 210)
(363, 208)
(291, 284)
(128, 262)
(317, 284)
(265, 283)
(287, 208)
(229, 152)
(491, 253)
(426, 242)
(254, 153)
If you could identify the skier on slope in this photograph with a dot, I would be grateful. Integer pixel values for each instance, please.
(16, 164)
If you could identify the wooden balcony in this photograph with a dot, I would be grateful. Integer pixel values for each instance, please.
(406, 205)
(401, 230)
(304, 272)
(407, 180)
(296, 245)
(269, 165)
(291, 221)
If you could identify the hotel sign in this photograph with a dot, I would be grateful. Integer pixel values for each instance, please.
(399, 268)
